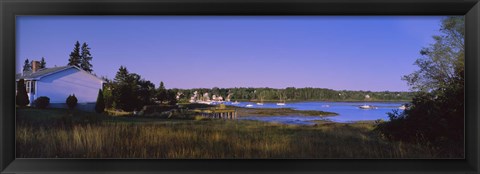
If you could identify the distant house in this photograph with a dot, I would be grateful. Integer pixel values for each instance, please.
(58, 83)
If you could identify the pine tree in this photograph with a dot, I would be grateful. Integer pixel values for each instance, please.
(85, 58)
(22, 97)
(27, 66)
(75, 56)
(122, 75)
(100, 104)
(43, 64)
(71, 101)
(161, 93)
(123, 94)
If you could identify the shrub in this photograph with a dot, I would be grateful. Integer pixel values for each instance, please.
(100, 104)
(108, 98)
(42, 102)
(71, 101)
(435, 118)
(157, 108)
(22, 97)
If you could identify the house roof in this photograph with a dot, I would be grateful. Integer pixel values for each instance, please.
(48, 71)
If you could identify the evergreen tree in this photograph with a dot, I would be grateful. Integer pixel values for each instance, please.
(121, 76)
(75, 59)
(123, 91)
(85, 58)
(162, 94)
(27, 66)
(22, 97)
(100, 104)
(43, 64)
(71, 101)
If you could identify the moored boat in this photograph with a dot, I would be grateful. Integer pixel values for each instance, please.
(367, 107)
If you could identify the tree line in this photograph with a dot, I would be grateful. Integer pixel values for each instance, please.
(297, 94)
(129, 91)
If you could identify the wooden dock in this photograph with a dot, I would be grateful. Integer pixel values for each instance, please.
(220, 112)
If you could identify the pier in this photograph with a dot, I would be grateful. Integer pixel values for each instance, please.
(220, 112)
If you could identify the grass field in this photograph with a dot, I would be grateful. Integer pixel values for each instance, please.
(59, 133)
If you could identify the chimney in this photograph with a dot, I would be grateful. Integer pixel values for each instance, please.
(35, 66)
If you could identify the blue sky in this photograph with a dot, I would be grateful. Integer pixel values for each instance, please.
(348, 52)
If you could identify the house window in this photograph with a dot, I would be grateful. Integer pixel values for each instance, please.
(33, 87)
(27, 86)
(30, 86)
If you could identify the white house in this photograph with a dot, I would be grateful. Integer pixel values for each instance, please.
(59, 82)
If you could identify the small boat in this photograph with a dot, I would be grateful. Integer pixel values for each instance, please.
(249, 105)
(282, 98)
(367, 107)
(403, 107)
(235, 103)
(261, 101)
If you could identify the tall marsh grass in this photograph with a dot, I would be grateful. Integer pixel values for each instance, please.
(161, 138)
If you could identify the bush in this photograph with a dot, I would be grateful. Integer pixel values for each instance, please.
(22, 97)
(42, 102)
(71, 101)
(100, 104)
(433, 118)
(157, 108)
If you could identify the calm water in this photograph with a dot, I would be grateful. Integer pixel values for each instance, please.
(348, 111)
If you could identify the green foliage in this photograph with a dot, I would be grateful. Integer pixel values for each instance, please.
(75, 59)
(431, 119)
(298, 94)
(100, 104)
(162, 94)
(43, 64)
(85, 58)
(171, 97)
(442, 61)
(21, 98)
(71, 101)
(436, 114)
(108, 87)
(145, 93)
(130, 91)
(150, 109)
(42, 102)
(123, 95)
(27, 66)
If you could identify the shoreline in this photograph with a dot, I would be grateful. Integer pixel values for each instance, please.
(266, 112)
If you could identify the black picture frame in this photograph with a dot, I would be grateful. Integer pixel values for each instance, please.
(11, 8)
